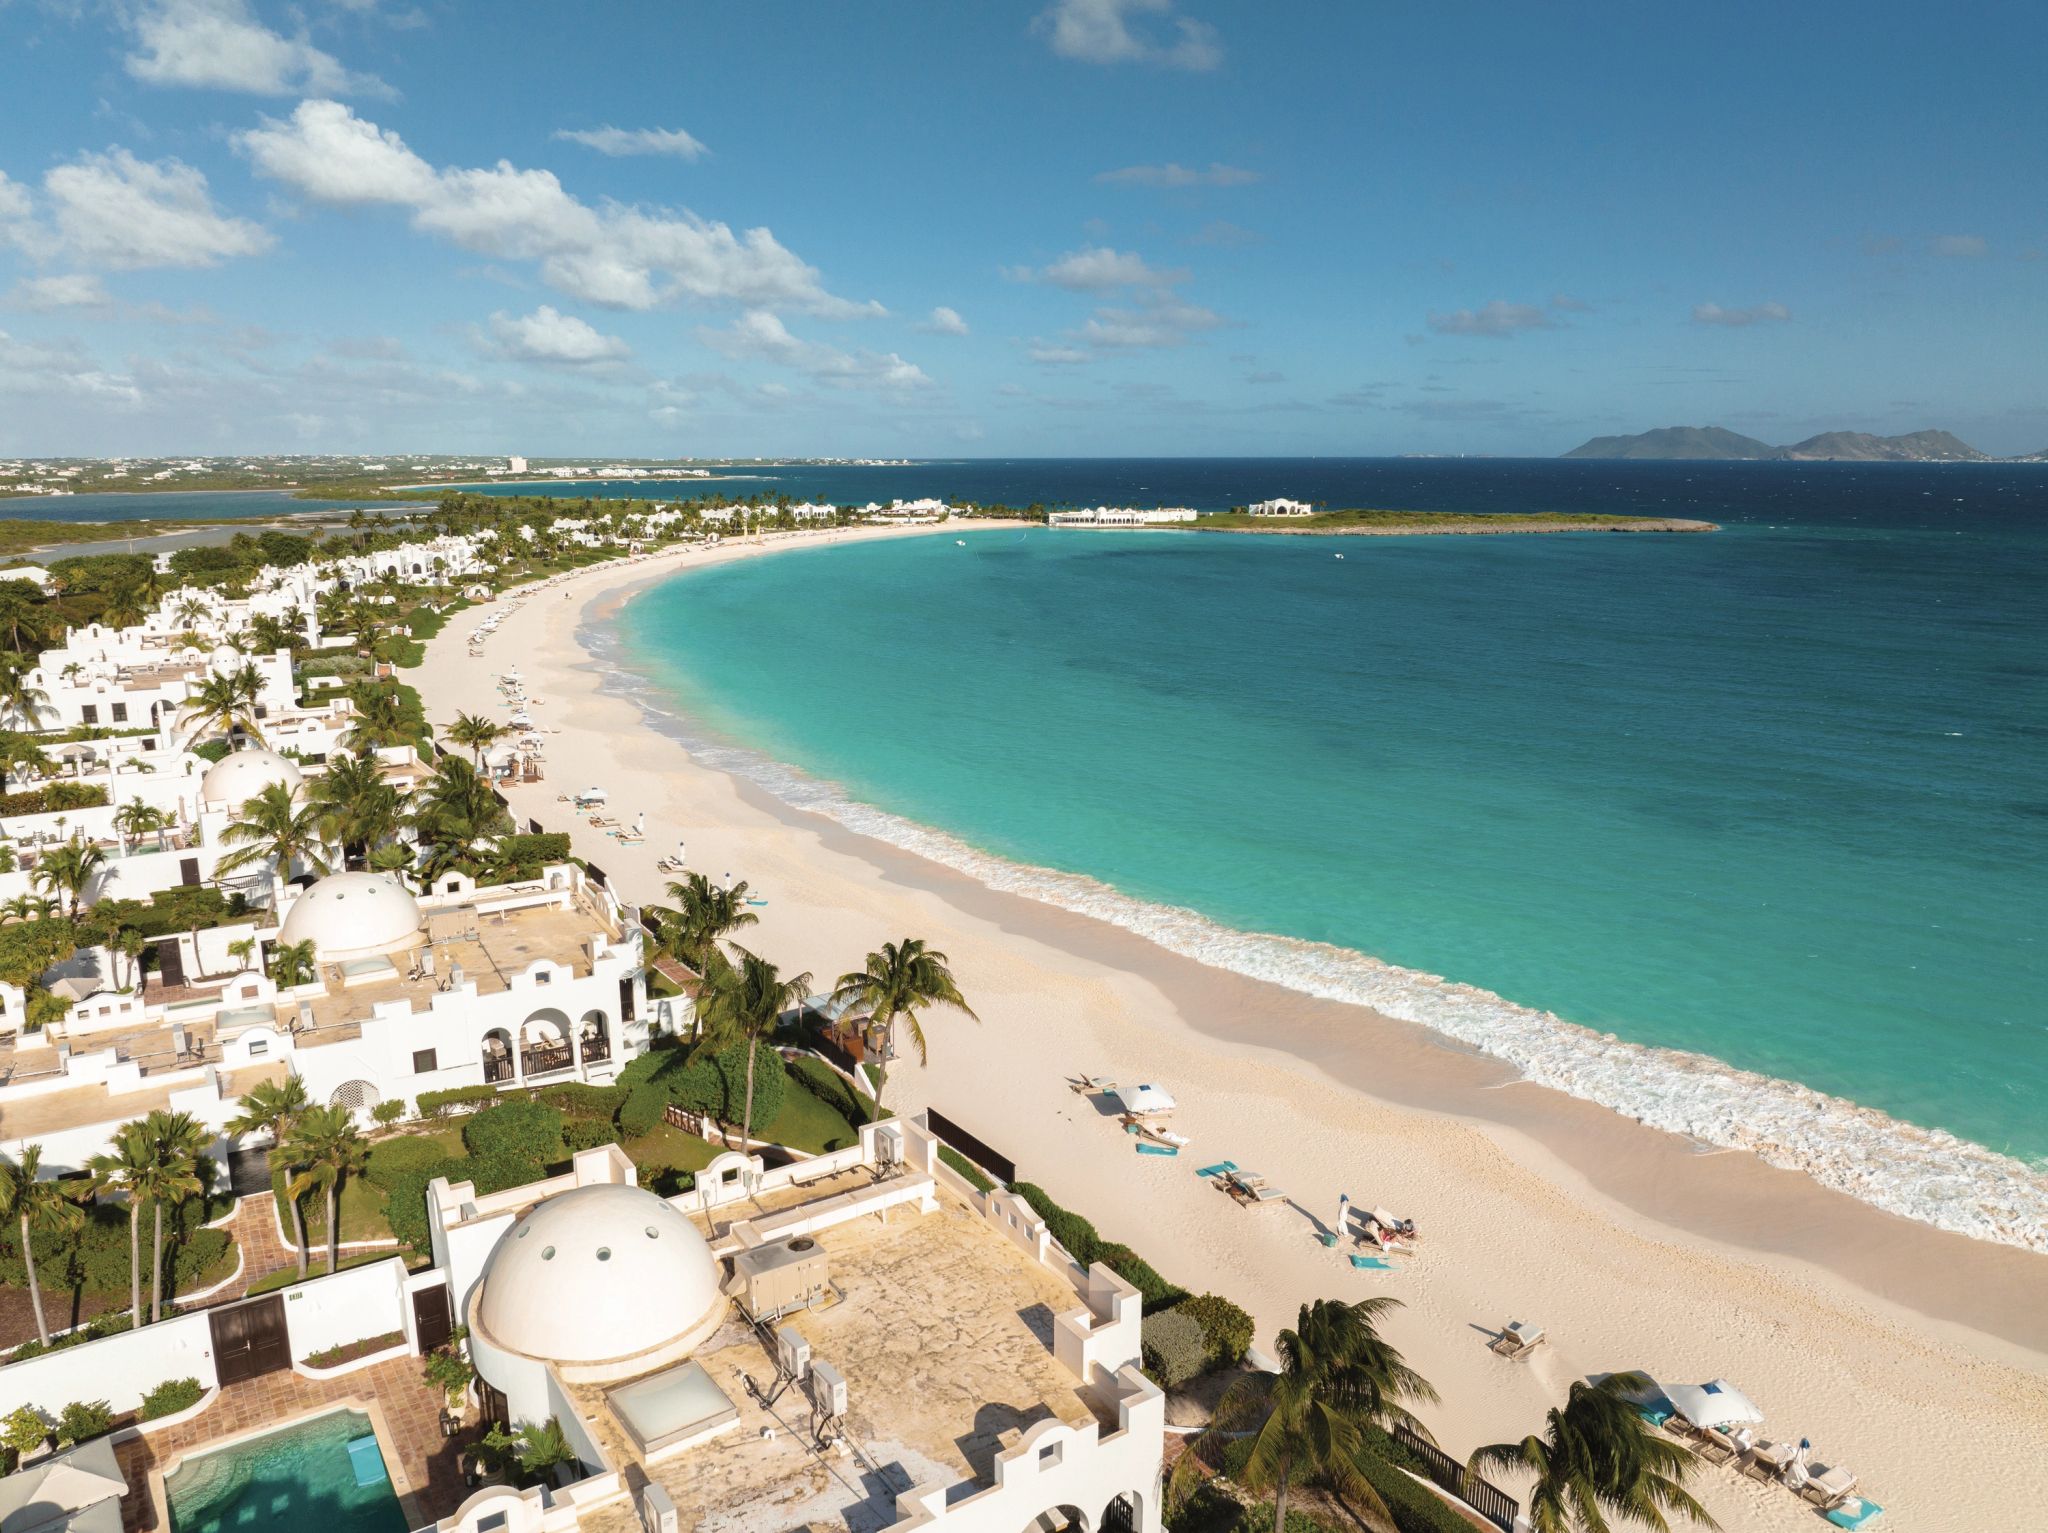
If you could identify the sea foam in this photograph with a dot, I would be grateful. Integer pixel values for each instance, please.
(1929, 1175)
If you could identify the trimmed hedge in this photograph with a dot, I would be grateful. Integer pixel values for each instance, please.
(1227, 1328)
(582, 1101)
(588, 1134)
(1141, 1275)
(1087, 1247)
(518, 1130)
(406, 1199)
(170, 1397)
(1175, 1350)
(710, 1084)
(52, 797)
(526, 855)
(642, 1113)
(433, 1104)
(392, 1158)
(831, 1088)
(976, 1177)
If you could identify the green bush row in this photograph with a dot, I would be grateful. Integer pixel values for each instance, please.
(170, 1397)
(1081, 1241)
(976, 1178)
(432, 1104)
(514, 1130)
(94, 1258)
(52, 797)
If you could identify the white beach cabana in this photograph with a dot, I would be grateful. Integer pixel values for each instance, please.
(1717, 1404)
(1144, 1101)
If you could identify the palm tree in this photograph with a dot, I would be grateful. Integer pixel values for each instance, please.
(475, 732)
(357, 807)
(130, 943)
(704, 915)
(394, 858)
(326, 1146)
(744, 1001)
(29, 907)
(1597, 1457)
(897, 981)
(21, 702)
(274, 1108)
(275, 827)
(135, 819)
(123, 1169)
(69, 867)
(379, 718)
(176, 1142)
(220, 706)
(35, 1205)
(456, 813)
(1337, 1374)
(191, 612)
(293, 963)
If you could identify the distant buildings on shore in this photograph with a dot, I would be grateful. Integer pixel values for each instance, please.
(1120, 516)
(1280, 507)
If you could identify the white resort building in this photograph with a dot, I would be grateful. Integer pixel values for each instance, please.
(1120, 516)
(1280, 507)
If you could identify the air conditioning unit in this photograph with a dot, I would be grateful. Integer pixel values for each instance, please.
(828, 1390)
(774, 1280)
(792, 1354)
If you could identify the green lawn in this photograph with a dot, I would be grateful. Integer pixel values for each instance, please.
(670, 1147)
(806, 1122)
(362, 1211)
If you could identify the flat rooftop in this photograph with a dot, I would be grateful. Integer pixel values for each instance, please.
(496, 945)
(82, 1106)
(944, 1333)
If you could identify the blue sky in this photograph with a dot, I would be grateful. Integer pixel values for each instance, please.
(1069, 228)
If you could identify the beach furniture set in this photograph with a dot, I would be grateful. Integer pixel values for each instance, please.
(1516, 1341)
(1143, 1112)
(1716, 1421)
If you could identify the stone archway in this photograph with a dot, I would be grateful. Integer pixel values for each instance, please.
(1124, 1514)
(544, 1042)
(594, 1036)
(497, 1057)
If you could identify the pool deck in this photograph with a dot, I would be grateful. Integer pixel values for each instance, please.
(406, 1411)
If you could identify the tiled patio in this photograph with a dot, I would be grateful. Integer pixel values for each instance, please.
(427, 1463)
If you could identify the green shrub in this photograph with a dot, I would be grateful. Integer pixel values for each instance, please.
(583, 1101)
(716, 1084)
(588, 1134)
(642, 1113)
(1139, 1273)
(976, 1177)
(52, 797)
(388, 1112)
(1415, 1509)
(390, 1158)
(1073, 1232)
(526, 855)
(434, 1104)
(1228, 1328)
(83, 1420)
(405, 1200)
(197, 1255)
(523, 1130)
(213, 750)
(831, 1088)
(23, 1430)
(170, 1397)
(1175, 1349)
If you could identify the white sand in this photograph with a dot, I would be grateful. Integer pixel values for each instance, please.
(1918, 1358)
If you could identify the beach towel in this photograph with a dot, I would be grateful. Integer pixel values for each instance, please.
(1372, 1262)
(1221, 1168)
(1855, 1513)
(1158, 1149)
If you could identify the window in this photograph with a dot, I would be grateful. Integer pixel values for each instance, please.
(89, 713)
(120, 713)
(423, 1062)
(258, 1047)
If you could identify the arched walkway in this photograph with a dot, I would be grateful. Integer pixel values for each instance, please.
(544, 1044)
(593, 1040)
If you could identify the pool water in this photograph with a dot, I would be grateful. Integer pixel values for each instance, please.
(299, 1476)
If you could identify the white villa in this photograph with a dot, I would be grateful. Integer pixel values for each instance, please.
(1280, 507)
(1120, 516)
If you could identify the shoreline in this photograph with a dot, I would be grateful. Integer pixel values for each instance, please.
(1632, 1247)
(1507, 518)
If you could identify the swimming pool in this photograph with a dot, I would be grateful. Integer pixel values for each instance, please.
(299, 1475)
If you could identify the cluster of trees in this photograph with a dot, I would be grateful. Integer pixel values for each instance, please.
(318, 1148)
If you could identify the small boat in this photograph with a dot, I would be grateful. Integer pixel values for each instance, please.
(959, 542)
(1338, 556)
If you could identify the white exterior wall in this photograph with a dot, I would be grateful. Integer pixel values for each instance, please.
(352, 1305)
(118, 1369)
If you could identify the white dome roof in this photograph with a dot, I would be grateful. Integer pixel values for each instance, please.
(240, 775)
(353, 915)
(598, 1274)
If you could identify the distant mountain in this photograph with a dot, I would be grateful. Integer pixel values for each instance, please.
(1862, 447)
(1676, 442)
(1696, 442)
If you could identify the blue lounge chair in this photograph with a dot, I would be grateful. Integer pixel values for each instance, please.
(1371, 1263)
(1158, 1149)
(1855, 1513)
(1221, 1168)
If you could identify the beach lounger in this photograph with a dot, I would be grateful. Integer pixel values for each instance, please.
(1157, 1149)
(1854, 1513)
(1830, 1489)
(1767, 1460)
(1516, 1340)
(1221, 1168)
(1372, 1264)
(1717, 1447)
(1092, 1085)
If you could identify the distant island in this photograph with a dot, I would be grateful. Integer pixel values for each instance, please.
(1407, 523)
(1717, 443)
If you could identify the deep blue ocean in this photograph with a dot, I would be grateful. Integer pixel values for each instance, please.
(1696, 822)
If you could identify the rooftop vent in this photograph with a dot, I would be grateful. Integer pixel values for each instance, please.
(775, 1280)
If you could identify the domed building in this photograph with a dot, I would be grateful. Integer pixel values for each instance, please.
(240, 775)
(604, 1282)
(349, 916)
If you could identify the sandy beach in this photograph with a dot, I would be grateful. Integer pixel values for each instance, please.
(1916, 1357)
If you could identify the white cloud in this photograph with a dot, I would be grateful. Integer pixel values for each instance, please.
(622, 141)
(79, 290)
(1962, 246)
(944, 321)
(616, 255)
(1101, 32)
(30, 368)
(1159, 322)
(1054, 354)
(113, 210)
(1174, 176)
(220, 45)
(1498, 318)
(758, 335)
(1763, 313)
(1097, 268)
(1566, 304)
(549, 336)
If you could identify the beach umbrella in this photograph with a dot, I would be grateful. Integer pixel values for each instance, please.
(68, 1488)
(1719, 1404)
(1144, 1099)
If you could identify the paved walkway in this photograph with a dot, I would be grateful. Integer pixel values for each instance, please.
(427, 1463)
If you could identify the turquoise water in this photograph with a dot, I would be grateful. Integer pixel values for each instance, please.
(1772, 797)
(299, 1476)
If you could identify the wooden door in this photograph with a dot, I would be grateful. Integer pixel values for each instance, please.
(433, 1322)
(249, 1339)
